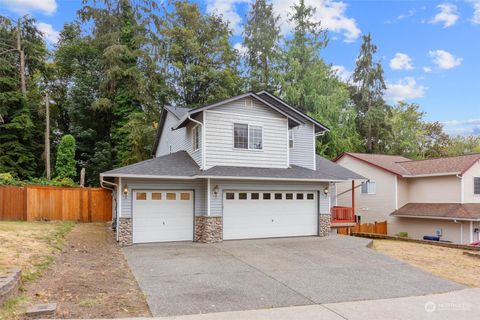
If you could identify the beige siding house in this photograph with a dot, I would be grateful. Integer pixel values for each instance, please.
(433, 197)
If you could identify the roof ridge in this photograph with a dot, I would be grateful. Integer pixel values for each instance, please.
(446, 157)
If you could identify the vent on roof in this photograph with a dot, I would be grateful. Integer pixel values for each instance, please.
(248, 103)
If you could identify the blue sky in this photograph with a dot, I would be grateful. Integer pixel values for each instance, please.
(430, 50)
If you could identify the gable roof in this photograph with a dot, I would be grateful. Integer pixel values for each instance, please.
(181, 166)
(407, 168)
(466, 211)
(178, 112)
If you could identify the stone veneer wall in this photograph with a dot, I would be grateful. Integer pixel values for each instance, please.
(324, 223)
(208, 229)
(125, 232)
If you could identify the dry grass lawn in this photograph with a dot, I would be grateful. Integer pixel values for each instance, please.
(447, 263)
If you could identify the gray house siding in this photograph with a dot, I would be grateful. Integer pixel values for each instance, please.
(219, 149)
(302, 154)
(216, 203)
(198, 185)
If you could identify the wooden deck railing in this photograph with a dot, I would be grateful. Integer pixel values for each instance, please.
(342, 214)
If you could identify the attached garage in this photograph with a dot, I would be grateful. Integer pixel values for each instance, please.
(266, 214)
(162, 215)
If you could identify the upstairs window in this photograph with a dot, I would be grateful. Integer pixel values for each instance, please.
(196, 137)
(247, 136)
(476, 186)
(290, 138)
(369, 187)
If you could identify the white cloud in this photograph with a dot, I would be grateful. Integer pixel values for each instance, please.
(342, 73)
(476, 11)
(448, 15)
(444, 59)
(49, 33)
(240, 48)
(401, 61)
(27, 6)
(462, 127)
(331, 13)
(427, 69)
(404, 89)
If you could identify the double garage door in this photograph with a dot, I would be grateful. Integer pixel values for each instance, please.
(167, 215)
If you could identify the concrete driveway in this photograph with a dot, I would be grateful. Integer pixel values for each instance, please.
(188, 278)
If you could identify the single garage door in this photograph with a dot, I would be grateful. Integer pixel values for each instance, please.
(264, 214)
(162, 215)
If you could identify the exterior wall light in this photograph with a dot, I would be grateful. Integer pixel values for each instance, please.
(215, 191)
(326, 191)
(125, 191)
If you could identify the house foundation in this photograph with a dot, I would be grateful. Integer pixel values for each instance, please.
(125, 232)
(324, 225)
(208, 229)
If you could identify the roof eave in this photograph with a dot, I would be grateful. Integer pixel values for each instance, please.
(432, 217)
(367, 162)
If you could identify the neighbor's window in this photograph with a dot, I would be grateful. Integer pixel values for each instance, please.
(290, 138)
(369, 187)
(196, 137)
(247, 136)
(476, 185)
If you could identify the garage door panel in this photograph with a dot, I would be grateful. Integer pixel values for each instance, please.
(165, 216)
(259, 218)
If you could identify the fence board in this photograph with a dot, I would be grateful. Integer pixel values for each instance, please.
(55, 203)
(377, 228)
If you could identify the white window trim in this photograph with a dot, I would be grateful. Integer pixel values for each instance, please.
(248, 136)
(194, 128)
(475, 194)
(368, 192)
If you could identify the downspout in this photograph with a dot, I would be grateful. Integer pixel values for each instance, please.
(461, 230)
(203, 136)
(462, 198)
(117, 201)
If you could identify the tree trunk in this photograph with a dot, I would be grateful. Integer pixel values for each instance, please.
(369, 138)
(47, 137)
(22, 60)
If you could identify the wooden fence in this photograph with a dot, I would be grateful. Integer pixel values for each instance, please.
(377, 227)
(32, 203)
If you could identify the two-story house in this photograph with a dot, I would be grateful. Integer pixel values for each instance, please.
(241, 168)
(432, 197)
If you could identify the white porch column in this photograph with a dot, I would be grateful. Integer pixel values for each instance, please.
(208, 196)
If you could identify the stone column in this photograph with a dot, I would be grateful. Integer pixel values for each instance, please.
(208, 229)
(324, 223)
(125, 231)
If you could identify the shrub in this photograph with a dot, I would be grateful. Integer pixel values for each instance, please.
(8, 179)
(402, 234)
(65, 167)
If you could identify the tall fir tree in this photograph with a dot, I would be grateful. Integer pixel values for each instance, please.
(261, 38)
(367, 94)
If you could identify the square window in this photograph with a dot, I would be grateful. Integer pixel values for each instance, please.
(242, 196)
(476, 185)
(255, 137)
(240, 136)
(171, 196)
(278, 196)
(230, 196)
(309, 196)
(185, 196)
(255, 196)
(141, 196)
(289, 196)
(156, 196)
(299, 196)
(267, 196)
(369, 187)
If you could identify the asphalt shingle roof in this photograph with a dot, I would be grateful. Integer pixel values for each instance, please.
(180, 164)
(178, 112)
(439, 210)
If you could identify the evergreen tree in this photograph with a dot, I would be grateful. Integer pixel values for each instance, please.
(201, 63)
(261, 38)
(367, 94)
(65, 166)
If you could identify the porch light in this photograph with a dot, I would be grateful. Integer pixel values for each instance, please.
(215, 191)
(326, 191)
(125, 191)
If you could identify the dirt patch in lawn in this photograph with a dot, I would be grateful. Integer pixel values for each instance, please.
(90, 278)
(448, 263)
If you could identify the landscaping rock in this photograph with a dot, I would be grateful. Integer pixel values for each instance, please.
(41, 310)
(9, 284)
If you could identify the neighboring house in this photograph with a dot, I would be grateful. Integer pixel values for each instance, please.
(241, 168)
(422, 197)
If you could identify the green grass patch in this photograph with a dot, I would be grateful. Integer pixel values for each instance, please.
(13, 308)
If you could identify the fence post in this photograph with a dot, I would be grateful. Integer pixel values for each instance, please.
(89, 205)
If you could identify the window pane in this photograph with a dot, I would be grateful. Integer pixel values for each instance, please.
(230, 196)
(184, 196)
(141, 196)
(240, 136)
(171, 196)
(290, 138)
(156, 196)
(371, 187)
(267, 196)
(196, 137)
(476, 185)
(278, 196)
(254, 196)
(289, 196)
(242, 196)
(299, 196)
(310, 196)
(255, 136)
(364, 187)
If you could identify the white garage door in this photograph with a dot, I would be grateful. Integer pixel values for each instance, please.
(264, 214)
(160, 215)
